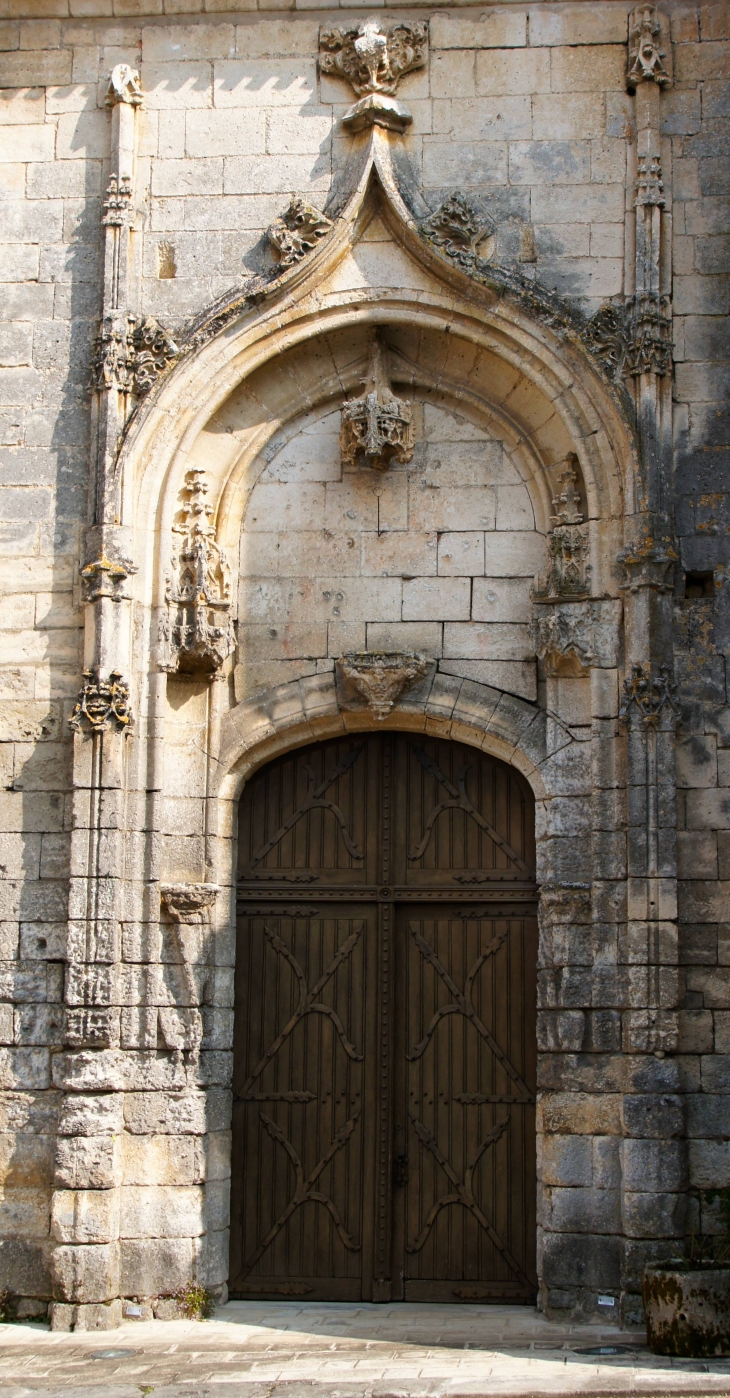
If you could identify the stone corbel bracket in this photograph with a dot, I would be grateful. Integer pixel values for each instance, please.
(189, 903)
(374, 680)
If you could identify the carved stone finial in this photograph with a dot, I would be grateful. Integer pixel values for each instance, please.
(569, 574)
(649, 695)
(189, 902)
(377, 428)
(124, 86)
(645, 55)
(373, 58)
(197, 629)
(297, 232)
(381, 678)
(101, 704)
(458, 227)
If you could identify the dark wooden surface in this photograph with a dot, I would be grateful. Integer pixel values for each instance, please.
(384, 1079)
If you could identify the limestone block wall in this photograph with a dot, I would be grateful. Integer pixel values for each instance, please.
(523, 107)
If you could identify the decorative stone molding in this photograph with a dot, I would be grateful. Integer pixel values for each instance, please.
(458, 227)
(649, 694)
(189, 902)
(569, 574)
(105, 577)
(297, 232)
(380, 678)
(118, 202)
(124, 86)
(648, 563)
(377, 428)
(102, 704)
(373, 58)
(645, 56)
(649, 182)
(633, 337)
(197, 630)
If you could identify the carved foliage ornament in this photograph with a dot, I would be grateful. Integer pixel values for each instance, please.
(129, 357)
(645, 56)
(458, 228)
(377, 428)
(381, 678)
(105, 576)
(101, 704)
(569, 574)
(649, 695)
(631, 338)
(297, 232)
(118, 202)
(371, 57)
(197, 630)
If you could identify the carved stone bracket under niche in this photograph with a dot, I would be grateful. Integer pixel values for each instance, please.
(376, 679)
(372, 58)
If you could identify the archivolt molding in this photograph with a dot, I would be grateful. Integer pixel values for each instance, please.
(228, 345)
(307, 710)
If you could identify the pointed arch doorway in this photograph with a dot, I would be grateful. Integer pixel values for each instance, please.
(385, 1007)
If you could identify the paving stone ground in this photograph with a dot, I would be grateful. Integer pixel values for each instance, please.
(291, 1350)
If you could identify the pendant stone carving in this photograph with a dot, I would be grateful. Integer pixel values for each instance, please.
(373, 58)
(377, 429)
(649, 695)
(197, 631)
(378, 677)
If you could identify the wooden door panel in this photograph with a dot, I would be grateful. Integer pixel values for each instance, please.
(465, 1105)
(312, 816)
(300, 1110)
(384, 1141)
(463, 817)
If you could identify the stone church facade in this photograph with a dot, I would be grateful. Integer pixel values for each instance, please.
(363, 382)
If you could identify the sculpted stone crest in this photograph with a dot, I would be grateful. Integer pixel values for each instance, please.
(377, 428)
(373, 58)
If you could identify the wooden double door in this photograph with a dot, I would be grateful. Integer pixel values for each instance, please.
(384, 1075)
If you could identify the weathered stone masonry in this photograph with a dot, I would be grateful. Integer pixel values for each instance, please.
(326, 341)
